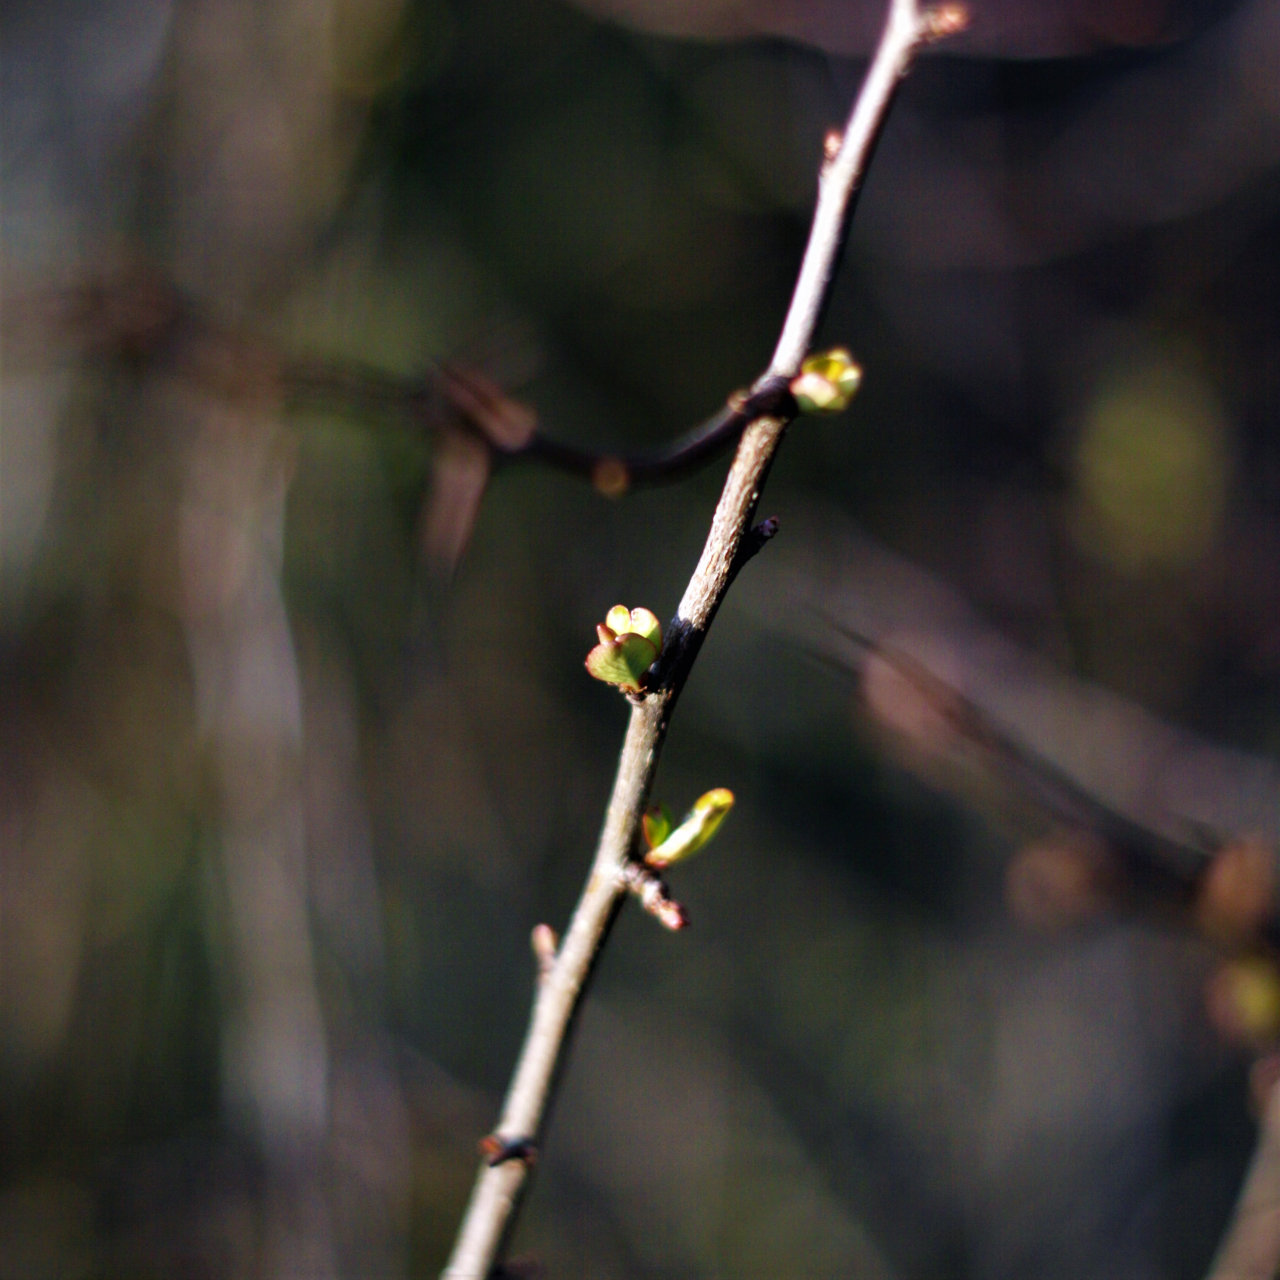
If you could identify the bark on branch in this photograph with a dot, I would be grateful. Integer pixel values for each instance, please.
(495, 1200)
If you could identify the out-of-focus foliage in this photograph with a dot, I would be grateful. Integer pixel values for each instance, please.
(279, 807)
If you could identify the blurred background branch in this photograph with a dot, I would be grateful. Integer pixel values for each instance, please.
(495, 1203)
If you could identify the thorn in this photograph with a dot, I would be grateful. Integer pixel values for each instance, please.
(498, 1150)
(544, 942)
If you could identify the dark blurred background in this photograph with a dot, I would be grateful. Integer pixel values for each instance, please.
(280, 801)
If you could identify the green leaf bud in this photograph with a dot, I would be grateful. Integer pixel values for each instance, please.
(827, 382)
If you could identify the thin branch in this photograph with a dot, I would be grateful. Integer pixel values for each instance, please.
(1150, 871)
(141, 316)
(491, 1214)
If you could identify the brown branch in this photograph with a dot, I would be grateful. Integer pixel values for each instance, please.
(615, 473)
(496, 1197)
(140, 316)
(1151, 872)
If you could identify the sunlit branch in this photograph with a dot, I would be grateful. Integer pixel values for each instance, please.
(499, 1188)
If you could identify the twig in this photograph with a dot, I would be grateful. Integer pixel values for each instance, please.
(1156, 873)
(492, 1211)
(141, 316)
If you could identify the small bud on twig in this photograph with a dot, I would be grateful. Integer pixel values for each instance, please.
(757, 536)
(543, 940)
(654, 896)
(945, 20)
(629, 643)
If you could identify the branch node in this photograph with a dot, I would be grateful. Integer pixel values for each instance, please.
(498, 1150)
(770, 395)
(521, 1269)
(654, 896)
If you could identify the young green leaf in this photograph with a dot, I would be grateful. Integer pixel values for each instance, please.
(641, 622)
(618, 619)
(695, 830)
(656, 825)
(629, 643)
(827, 382)
(622, 661)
